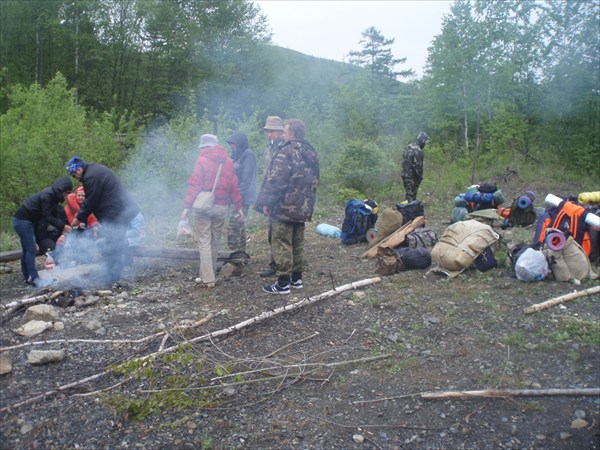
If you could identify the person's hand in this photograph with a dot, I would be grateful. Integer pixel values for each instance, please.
(67, 229)
(61, 240)
(75, 222)
(184, 214)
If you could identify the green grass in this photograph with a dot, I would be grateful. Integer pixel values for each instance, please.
(517, 340)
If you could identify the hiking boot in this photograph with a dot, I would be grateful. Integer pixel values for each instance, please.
(268, 273)
(277, 289)
(297, 284)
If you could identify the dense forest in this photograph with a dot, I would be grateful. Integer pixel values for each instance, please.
(133, 83)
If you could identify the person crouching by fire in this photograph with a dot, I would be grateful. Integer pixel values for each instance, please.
(39, 207)
(113, 206)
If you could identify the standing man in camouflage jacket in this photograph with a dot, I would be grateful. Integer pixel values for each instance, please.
(287, 197)
(412, 166)
(274, 129)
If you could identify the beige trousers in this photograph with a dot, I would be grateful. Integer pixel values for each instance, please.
(208, 229)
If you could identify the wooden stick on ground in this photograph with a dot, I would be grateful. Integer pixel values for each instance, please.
(17, 304)
(257, 319)
(503, 393)
(563, 298)
(396, 238)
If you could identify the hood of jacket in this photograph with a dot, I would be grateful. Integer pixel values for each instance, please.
(240, 140)
(215, 153)
(62, 185)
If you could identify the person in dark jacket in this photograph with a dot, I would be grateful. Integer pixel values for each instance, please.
(287, 197)
(113, 206)
(244, 164)
(47, 235)
(35, 209)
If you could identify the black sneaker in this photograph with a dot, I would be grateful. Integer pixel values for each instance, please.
(297, 284)
(277, 289)
(268, 273)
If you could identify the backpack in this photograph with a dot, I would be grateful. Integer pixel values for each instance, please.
(413, 258)
(421, 237)
(358, 218)
(486, 260)
(568, 217)
(390, 261)
(570, 262)
(521, 212)
(460, 244)
(411, 210)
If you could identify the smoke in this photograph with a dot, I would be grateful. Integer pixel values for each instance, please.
(92, 258)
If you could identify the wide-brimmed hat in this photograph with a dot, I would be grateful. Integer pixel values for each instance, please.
(274, 123)
(208, 140)
(389, 221)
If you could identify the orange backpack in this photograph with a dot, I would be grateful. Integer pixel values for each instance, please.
(568, 217)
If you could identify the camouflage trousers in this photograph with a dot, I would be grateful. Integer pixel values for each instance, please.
(236, 231)
(287, 247)
(411, 186)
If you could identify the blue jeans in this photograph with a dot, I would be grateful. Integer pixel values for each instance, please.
(26, 231)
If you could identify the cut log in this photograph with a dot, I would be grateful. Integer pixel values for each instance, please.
(166, 252)
(396, 238)
(12, 255)
(563, 298)
(143, 252)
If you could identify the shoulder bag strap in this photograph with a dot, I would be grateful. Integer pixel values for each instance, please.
(217, 177)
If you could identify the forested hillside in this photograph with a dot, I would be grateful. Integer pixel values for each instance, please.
(133, 83)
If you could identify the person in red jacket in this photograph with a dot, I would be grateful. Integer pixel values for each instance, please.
(74, 202)
(209, 224)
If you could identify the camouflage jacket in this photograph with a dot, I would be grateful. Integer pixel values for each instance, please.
(412, 162)
(270, 150)
(289, 187)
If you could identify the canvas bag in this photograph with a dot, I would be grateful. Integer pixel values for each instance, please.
(570, 263)
(421, 237)
(206, 199)
(460, 244)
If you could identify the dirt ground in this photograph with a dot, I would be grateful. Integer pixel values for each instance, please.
(346, 371)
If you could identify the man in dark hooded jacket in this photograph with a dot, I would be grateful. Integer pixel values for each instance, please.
(244, 164)
(113, 206)
(35, 209)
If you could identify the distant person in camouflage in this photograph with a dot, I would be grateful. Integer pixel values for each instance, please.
(287, 197)
(412, 166)
(274, 129)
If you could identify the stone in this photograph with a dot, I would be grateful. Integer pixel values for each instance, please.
(38, 357)
(93, 325)
(33, 327)
(358, 438)
(45, 313)
(578, 424)
(58, 326)
(5, 363)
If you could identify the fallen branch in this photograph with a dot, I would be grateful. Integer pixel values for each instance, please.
(563, 298)
(301, 366)
(218, 333)
(17, 304)
(505, 393)
(109, 341)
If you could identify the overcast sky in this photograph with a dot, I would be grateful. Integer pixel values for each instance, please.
(331, 29)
